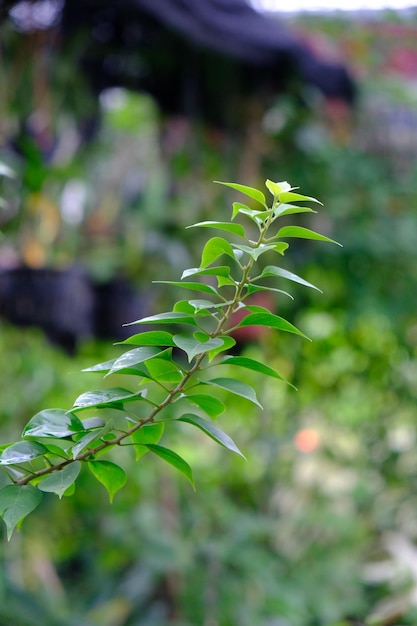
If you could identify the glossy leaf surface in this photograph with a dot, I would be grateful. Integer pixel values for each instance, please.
(22, 452)
(53, 423)
(115, 396)
(134, 357)
(170, 317)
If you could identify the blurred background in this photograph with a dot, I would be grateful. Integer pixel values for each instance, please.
(115, 119)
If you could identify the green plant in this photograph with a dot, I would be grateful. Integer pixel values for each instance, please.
(176, 369)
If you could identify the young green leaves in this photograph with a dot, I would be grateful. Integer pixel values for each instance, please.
(180, 366)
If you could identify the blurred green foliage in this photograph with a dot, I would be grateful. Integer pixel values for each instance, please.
(324, 537)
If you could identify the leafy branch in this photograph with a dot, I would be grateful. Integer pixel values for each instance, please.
(172, 364)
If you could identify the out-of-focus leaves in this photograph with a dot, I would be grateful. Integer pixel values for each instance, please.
(16, 502)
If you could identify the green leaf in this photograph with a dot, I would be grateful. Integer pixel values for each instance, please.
(252, 364)
(70, 490)
(256, 308)
(201, 304)
(290, 196)
(60, 480)
(252, 288)
(105, 398)
(93, 422)
(104, 368)
(235, 229)
(228, 342)
(173, 459)
(53, 423)
(290, 209)
(90, 438)
(215, 248)
(272, 270)
(225, 280)
(171, 317)
(220, 270)
(112, 476)
(56, 450)
(203, 337)
(303, 233)
(280, 247)
(255, 194)
(164, 371)
(21, 452)
(16, 502)
(236, 387)
(191, 286)
(210, 404)
(150, 338)
(184, 307)
(238, 207)
(134, 357)
(270, 320)
(277, 188)
(100, 367)
(212, 431)
(256, 216)
(149, 434)
(192, 347)
(253, 252)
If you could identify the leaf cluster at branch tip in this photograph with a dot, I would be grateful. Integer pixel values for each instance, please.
(180, 365)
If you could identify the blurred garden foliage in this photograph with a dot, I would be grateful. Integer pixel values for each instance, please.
(318, 527)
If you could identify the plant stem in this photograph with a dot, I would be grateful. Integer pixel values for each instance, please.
(178, 389)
